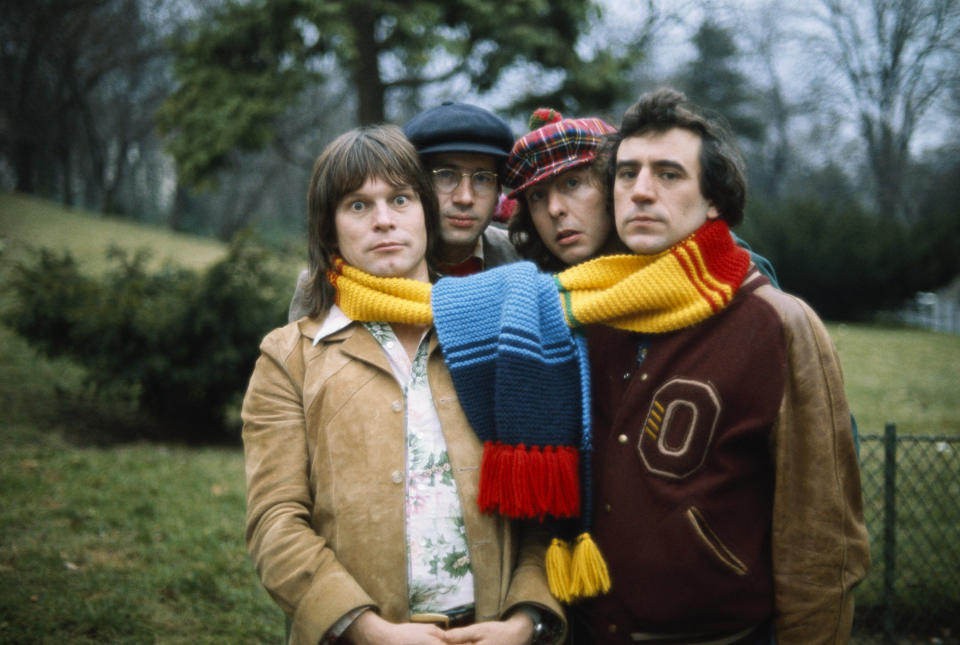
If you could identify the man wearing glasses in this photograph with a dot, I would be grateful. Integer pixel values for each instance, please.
(464, 147)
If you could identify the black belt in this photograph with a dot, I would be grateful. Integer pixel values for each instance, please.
(456, 617)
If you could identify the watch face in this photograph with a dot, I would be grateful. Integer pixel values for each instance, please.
(538, 630)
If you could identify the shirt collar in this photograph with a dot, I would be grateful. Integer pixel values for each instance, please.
(477, 253)
(478, 250)
(334, 322)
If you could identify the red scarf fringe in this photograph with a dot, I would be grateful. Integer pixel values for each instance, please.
(521, 482)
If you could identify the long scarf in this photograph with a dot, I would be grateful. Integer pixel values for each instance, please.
(674, 289)
(522, 377)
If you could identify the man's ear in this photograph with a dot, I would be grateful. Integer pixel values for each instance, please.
(712, 212)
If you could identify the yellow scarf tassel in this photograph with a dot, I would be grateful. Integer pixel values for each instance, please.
(576, 573)
(558, 570)
(589, 572)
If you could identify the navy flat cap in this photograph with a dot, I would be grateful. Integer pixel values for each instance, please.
(458, 127)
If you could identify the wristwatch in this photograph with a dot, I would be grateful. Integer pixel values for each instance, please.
(538, 631)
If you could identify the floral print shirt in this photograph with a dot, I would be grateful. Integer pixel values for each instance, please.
(437, 557)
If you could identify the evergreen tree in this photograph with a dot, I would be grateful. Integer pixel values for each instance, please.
(713, 80)
(242, 67)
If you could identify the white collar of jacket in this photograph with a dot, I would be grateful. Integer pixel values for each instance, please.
(334, 322)
(337, 321)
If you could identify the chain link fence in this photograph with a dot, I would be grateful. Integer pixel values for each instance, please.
(911, 490)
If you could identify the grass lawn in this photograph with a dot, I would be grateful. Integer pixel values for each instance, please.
(910, 377)
(87, 236)
(135, 543)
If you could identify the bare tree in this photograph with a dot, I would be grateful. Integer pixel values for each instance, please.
(896, 58)
(762, 35)
(85, 78)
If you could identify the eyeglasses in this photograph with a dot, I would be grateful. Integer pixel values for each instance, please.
(446, 180)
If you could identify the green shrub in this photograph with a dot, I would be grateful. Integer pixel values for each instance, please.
(838, 257)
(181, 342)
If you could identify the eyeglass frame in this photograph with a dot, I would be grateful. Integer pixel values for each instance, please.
(462, 174)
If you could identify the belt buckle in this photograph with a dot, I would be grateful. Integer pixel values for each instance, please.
(440, 620)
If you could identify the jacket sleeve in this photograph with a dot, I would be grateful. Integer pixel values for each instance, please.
(300, 572)
(820, 544)
(528, 586)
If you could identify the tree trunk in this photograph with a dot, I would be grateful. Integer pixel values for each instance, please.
(23, 166)
(66, 179)
(366, 67)
(889, 161)
(181, 200)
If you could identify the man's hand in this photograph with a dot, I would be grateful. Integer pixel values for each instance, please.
(371, 629)
(516, 630)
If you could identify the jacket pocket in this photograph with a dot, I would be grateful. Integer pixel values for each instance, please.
(713, 542)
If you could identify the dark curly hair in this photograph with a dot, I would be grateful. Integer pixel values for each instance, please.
(722, 175)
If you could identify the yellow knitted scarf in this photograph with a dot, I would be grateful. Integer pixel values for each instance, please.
(671, 290)
(674, 289)
(368, 298)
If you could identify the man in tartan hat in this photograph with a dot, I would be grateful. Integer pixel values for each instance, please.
(560, 216)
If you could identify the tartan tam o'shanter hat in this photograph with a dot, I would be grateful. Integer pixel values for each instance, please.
(552, 149)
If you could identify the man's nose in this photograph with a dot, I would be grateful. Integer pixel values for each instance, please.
(556, 206)
(383, 216)
(643, 187)
(463, 193)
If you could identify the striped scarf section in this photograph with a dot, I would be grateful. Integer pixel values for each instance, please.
(674, 289)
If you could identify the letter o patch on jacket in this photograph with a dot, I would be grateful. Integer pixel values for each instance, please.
(679, 428)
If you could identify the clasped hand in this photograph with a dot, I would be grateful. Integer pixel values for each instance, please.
(371, 629)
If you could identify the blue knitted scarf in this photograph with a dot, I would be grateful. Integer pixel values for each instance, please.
(523, 381)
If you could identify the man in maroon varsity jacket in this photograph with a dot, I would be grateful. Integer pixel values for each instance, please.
(726, 486)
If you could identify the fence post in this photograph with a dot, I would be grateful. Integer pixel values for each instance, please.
(889, 530)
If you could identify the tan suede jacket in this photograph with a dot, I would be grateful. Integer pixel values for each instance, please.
(323, 434)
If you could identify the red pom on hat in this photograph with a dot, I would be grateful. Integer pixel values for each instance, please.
(543, 116)
(505, 209)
